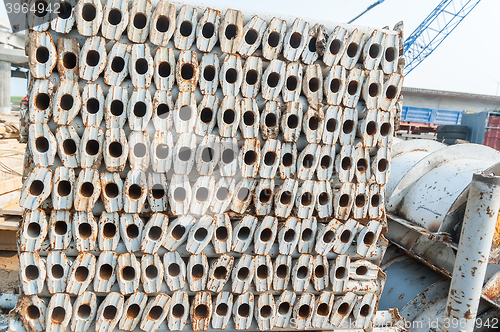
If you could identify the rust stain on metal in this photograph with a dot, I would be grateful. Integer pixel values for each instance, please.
(273, 196)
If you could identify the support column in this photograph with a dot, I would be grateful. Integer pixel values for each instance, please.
(5, 105)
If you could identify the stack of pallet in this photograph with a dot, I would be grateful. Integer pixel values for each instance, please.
(11, 169)
(192, 168)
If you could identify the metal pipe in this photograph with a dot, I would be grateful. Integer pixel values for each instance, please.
(473, 252)
(8, 301)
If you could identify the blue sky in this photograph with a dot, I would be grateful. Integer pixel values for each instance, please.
(467, 61)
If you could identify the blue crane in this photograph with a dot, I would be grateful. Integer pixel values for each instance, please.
(433, 30)
(366, 10)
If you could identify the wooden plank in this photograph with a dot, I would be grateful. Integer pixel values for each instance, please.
(9, 204)
(11, 165)
(9, 135)
(12, 145)
(10, 223)
(8, 240)
(10, 185)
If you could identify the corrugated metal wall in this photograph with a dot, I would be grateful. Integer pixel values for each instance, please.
(430, 116)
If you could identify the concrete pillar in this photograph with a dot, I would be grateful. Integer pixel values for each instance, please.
(5, 105)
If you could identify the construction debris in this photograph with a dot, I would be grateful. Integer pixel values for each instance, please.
(8, 130)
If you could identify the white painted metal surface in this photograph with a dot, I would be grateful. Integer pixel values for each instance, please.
(177, 218)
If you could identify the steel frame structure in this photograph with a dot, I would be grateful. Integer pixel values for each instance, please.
(434, 29)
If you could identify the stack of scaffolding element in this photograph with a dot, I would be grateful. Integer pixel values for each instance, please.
(204, 169)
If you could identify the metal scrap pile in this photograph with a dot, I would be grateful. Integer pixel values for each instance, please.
(197, 169)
